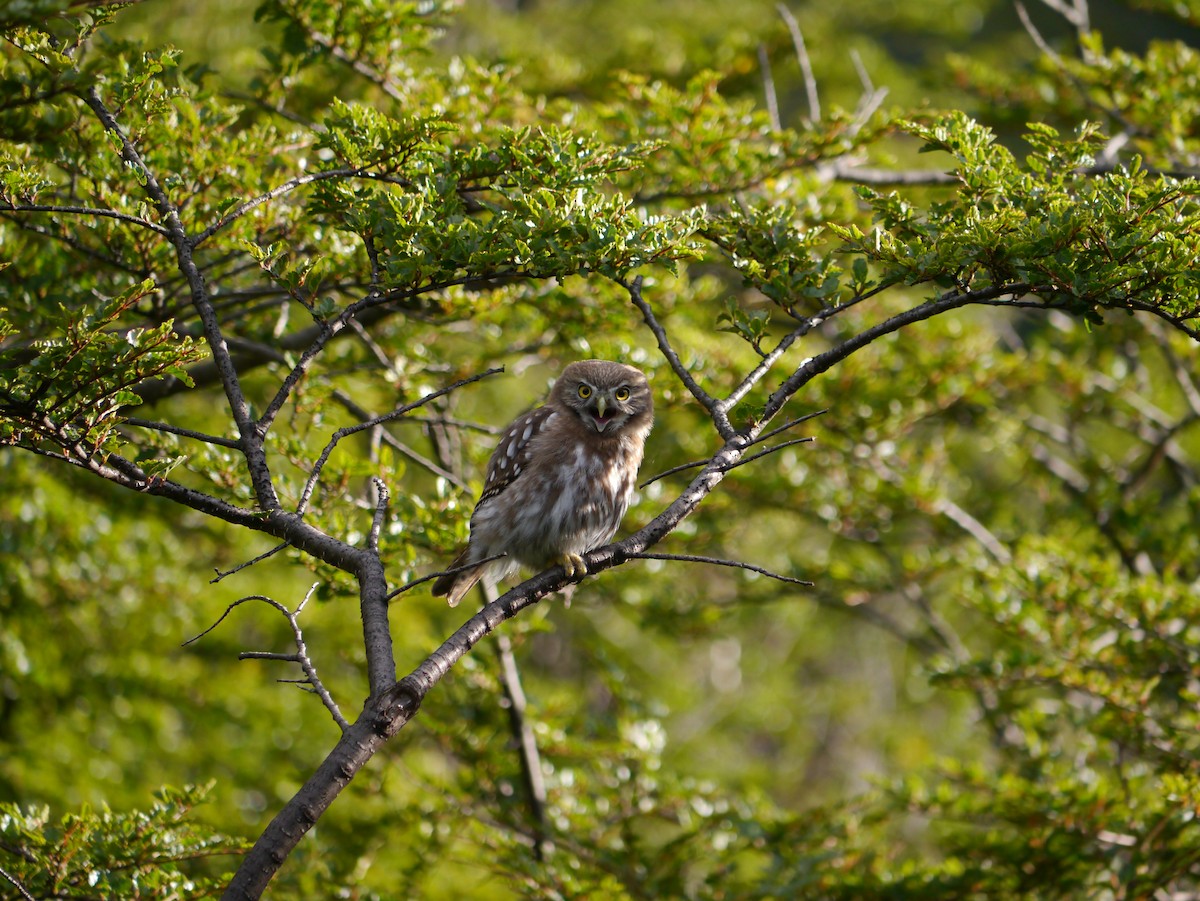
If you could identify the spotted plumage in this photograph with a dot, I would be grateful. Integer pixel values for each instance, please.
(561, 478)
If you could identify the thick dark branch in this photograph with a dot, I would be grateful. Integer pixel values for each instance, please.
(251, 440)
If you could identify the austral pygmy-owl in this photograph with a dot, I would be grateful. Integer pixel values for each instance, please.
(561, 478)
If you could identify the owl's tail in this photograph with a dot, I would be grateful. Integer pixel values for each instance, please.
(455, 585)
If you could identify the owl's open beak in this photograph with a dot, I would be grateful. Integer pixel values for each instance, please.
(599, 416)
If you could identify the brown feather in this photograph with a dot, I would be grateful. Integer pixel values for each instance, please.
(561, 477)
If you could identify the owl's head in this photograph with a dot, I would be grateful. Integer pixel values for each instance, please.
(606, 396)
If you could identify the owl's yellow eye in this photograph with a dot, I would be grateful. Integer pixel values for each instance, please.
(622, 394)
(585, 391)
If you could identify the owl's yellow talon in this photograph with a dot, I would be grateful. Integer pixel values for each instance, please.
(574, 565)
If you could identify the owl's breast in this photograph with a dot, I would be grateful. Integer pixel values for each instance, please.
(568, 499)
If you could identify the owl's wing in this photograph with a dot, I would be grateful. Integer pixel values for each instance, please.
(512, 454)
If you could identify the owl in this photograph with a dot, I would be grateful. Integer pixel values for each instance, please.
(560, 479)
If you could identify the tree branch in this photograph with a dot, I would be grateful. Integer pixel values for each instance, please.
(251, 440)
(182, 432)
(341, 433)
(810, 81)
(86, 211)
(301, 656)
(720, 561)
(664, 345)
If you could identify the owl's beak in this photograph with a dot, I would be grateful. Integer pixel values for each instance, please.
(599, 416)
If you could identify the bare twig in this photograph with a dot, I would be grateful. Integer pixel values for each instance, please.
(764, 63)
(408, 586)
(709, 402)
(278, 191)
(1035, 35)
(261, 557)
(523, 737)
(301, 657)
(974, 528)
(372, 345)
(1112, 111)
(396, 444)
(810, 81)
(791, 423)
(382, 496)
(871, 98)
(770, 450)
(719, 561)
(756, 374)
(695, 464)
(85, 211)
(1075, 12)
(182, 432)
(306, 494)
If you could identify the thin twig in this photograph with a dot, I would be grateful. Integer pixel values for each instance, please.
(695, 464)
(396, 444)
(300, 657)
(764, 366)
(261, 557)
(791, 423)
(764, 63)
(664, 345)
(382, 496)
(372, 345)
(720, 561)
(268, 655)
(770, 450)
(523, 737)
(86, 211)
(185, 433)
(306, 495)
(810, 81)
(278, 191)
(407, 586)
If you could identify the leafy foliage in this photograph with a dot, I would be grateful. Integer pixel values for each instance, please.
(143, 854)
(241, 280)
